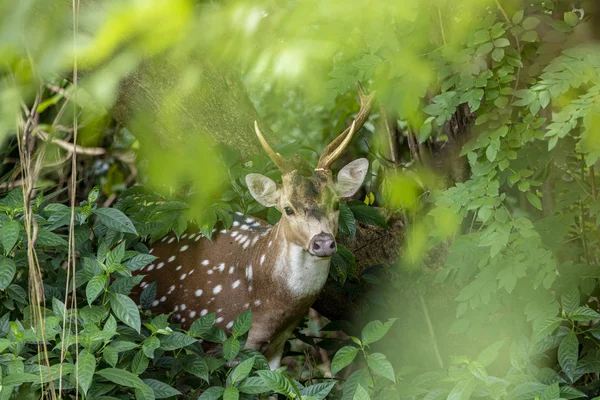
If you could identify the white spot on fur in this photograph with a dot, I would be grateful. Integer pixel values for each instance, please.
(171, 240)
(229, 325)
(171, 289)
(221, 267)
(217, 289)
(257, 303)
(160, 265)
(249, 272)
(236, 284)
(231, 269)
(171, 259)
(222, 231)
(203, 312)
(184, 235)
(219, 310)
(176, 308)
(262, 259)
(154, 303)
(219, 320)
(150, 251)
(184, 248)
(198, 293)
(234, 233)
(244, 227)
(150, 267)
(183, 307)
(163, 299)
(236, 223)
(164, 239)
(192, 314)
(182, 277)
(250, 288)
(255, 240)
(182, 320)
(205, 262)
(270, 243)
(247, 305)
(198, 237)
(191, 272)
(210, 271)
(178, 268)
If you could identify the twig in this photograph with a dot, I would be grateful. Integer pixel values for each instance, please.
(90, 151)
(441, 25)
(390, 136)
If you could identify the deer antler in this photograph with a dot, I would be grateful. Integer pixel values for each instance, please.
(277, 158)
(339, 144)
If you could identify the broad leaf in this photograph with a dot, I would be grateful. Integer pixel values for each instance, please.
(161, 389)
(343, 358)
(346, 221)
(212, 393)
(9, 234)
(568, 353)
(121, 377)
(125, 309)
(95, 286)
(242, 324)
(380, 365)
(242, 370)
(375, 331)
(86, 365)
(7, 272)
(115, 219)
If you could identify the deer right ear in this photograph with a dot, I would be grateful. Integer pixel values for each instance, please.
(263, 189)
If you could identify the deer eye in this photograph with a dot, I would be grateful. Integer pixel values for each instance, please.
(288, 210)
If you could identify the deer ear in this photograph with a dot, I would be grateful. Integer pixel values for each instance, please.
(351, 177)
(263, 189)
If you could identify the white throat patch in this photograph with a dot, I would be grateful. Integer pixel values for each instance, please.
(304, 274)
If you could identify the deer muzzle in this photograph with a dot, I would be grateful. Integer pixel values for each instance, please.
(322, 245)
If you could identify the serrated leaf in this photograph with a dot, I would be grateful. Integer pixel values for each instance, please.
(94, 287)
(343, 358)
(86, 365)
(115, 219)
(125, 310)
(380, 365)
(568, 352)
(161, 389)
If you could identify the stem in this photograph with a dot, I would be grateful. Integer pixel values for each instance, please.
(441, 25)
(431, 332)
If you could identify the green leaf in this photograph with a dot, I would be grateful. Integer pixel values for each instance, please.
(50, 239)
(161, 389)
(498, 55)
(242, 370)
(343, 358)
(568, 352)
(366, 214)
(86, 365)
(115, 219)
(477, 370)
(139, 261)
(318, 390)
(583, 314)
(231, 348)
(196, 365)
(360, 393)
(534, 200)
(253, 385)
(517, 17)
(16, 379)
(231, 393)
(8, 270)
(125, 309)
(95, 286)
(176, 340)
(530, 23)
(121, 377)
(275, 381)
(149, 345)
(530, 36)
(148, 295)
(139, 364)
(462, 390)
(571, 18)
(544, 98)
(212, 393)
(501, 42)
(380, 365)
(202, 325)
(9, 235)
(346, 221)
(375, 330)
(242, 324)
(490, 353)
(570, 299)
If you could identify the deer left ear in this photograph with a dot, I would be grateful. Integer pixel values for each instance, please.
(351, 177)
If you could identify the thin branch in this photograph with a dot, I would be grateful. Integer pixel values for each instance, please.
(430, 329)
(70, 147)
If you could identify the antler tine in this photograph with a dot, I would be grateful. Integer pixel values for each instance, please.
(277, 158)
(339, 144)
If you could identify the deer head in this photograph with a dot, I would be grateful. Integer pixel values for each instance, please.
(309, 198)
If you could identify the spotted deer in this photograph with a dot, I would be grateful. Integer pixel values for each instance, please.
(278, 271)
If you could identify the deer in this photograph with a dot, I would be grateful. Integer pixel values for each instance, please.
(277, 271)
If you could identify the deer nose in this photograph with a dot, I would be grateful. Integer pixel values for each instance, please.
(322, 245)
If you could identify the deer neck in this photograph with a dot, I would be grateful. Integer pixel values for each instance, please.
(296, 271)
